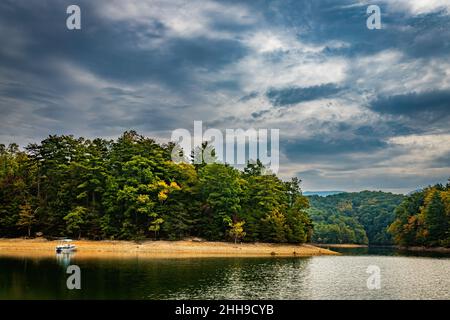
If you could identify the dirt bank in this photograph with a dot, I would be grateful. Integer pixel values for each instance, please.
(85, 248)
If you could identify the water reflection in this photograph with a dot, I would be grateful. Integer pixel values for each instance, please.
(252, 278)
(64, 258)
(390, 251)
(327, 277)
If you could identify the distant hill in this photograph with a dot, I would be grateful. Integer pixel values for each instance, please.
(353, 217)
(321, 193)
(414, 191)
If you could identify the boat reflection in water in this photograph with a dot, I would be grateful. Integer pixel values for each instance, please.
(63, 258)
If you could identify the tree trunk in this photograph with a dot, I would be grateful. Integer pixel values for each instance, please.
(39, 186)
(29, 231)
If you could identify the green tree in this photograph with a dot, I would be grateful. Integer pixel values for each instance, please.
(27, 217)
(359, 217)
(423, 218)
(75, 221)
(220, 189)
(436, 220)
(237, 230)
(273, 227)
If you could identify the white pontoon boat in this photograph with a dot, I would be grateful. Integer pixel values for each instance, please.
(65, 246)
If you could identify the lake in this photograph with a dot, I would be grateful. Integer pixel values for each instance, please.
(402, 276)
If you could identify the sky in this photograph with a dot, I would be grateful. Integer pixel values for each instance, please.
(357, 109)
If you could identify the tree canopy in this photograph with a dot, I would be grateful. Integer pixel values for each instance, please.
(131, 189)
(423, 218)
(358, 217)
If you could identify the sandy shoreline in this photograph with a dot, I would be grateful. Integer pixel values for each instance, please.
(159, 249)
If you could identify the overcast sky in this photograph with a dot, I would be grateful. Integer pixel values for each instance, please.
(356, 108)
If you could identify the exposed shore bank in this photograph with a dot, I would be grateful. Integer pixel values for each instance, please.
(160, 249)
(340, 245)
(425, 249)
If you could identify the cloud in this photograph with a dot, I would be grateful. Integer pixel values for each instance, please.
(418, 7)
(288, 96)
(350, 102)
(379, 179)
(430, 106)
(421, 149)
(323, 147)
(181, 19)
(442, 161)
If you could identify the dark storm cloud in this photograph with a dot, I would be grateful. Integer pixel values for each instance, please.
(60, 113)
(326, 146)
(109, 48)
(249, 96)
(12, 90)
(165, 64)
(426, 106)
(112, 51)
(259, 113)
(288, 96)
(427, 36)
(154, 120)
(118, 92)
(442, 161)
(387, 129)
(346, 145)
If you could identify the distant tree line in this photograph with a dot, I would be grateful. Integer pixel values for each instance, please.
(356, 217)
(379, 218)
(130, 189)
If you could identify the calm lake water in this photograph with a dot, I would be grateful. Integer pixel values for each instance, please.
(403, 276)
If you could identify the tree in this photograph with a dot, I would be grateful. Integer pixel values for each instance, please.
(423, 218)
(299, 224)
(203, 155)
(359, 217)
(263, 194)
(155, 225)
(436, 220)
(220, 189)
(27, 217)
(237, 230)
(16, 178)
(75, 220)
(273, 228)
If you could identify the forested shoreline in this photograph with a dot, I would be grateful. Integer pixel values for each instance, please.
(354, 217)
(130, 189)
(423, 218)
(420, 219)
